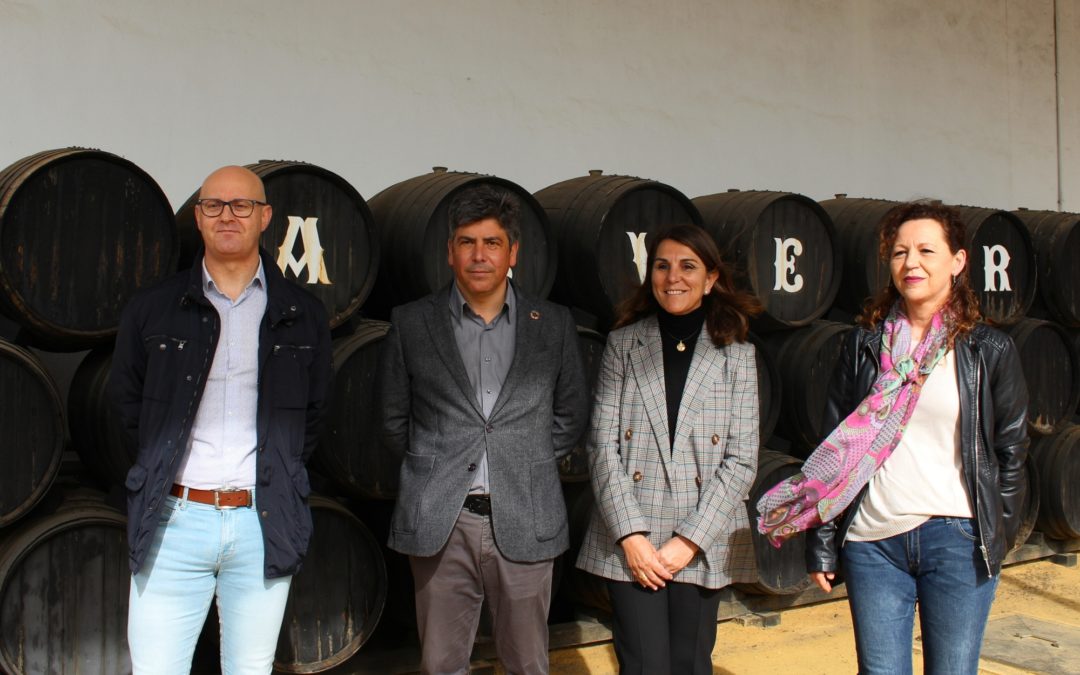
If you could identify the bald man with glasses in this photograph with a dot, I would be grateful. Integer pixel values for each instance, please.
(220, 375)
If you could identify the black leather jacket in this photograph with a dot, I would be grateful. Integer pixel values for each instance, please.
(993, 446)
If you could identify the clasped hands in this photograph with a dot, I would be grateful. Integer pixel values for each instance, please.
(652, 567)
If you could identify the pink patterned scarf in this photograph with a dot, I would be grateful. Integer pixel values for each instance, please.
(846, 460)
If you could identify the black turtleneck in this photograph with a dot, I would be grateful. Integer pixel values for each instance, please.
(673, 328)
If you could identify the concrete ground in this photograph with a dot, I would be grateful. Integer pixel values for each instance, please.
(1034, 627)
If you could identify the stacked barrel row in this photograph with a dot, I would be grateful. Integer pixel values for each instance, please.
(1048, 344)
(80, 231)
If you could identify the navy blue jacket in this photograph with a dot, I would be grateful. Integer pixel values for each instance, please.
(164, 350)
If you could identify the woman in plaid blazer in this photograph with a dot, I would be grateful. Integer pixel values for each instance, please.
(672, 453)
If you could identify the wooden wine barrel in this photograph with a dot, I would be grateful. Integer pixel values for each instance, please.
(575, 466)
(1056, 239)
(1029, 512)
(781, 571)
(80, 231)
(350, 453)
(1057, 461)
(397, 626)
(96, 432)
(337, 598)
(784, 250)
(580, 586)
(1001, 262)
(414, 226)
(602, 224)
(321, 233)
(770, 389)
(805, 359)
(64, 591)
(1052, 371)
(857, 224)
(1075, 335)
(33, 429)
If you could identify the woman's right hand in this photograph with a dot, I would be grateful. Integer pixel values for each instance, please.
(644, 562)
(823, 580)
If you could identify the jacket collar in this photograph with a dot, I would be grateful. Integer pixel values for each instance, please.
(871, 338)
(280, 303)
(647, 359)
(528, 321)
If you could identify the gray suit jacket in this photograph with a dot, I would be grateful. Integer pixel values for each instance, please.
(697, 490)
(432, 420)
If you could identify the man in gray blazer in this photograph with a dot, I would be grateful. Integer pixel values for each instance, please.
(483, 390)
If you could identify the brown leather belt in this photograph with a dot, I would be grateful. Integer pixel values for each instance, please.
(220, 499)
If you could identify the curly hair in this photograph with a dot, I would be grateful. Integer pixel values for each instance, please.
(727, 310)
(962, 307)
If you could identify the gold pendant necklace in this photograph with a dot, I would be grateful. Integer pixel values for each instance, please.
(680, 344)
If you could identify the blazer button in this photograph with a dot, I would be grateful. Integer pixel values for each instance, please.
(715, 439)
(629, 434)
(472, 467)
(489, 428)
(697, 479)
(638, 476)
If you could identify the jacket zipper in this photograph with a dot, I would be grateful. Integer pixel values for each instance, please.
(278, 348)
(975, 482)
(176, 341)
(849, 515)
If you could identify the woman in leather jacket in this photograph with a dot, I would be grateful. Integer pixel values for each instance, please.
(916, 495)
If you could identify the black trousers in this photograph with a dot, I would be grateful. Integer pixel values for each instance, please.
(670, 631)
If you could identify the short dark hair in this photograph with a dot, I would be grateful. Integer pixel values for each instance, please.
(727, 309)
(484, 201)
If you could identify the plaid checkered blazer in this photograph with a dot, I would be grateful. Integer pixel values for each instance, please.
(698, 488)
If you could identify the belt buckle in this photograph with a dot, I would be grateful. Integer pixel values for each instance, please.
(217, 498)
(478, 504)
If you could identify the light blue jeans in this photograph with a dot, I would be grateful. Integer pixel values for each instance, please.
(937, 565)
(199, 551)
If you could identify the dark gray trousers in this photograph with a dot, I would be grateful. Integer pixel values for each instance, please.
(451, 587)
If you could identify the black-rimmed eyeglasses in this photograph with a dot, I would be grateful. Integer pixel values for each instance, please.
(241, 208)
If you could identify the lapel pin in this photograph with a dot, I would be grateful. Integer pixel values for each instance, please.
(534, 315)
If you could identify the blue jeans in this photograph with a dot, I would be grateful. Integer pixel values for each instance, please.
(199, 551)
(937, 565)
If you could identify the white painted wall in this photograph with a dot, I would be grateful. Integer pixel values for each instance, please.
(877, 98)
(1068, 59)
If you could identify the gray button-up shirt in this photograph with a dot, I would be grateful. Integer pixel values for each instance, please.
(486, 350)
